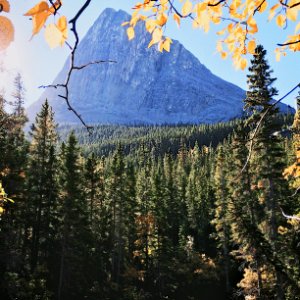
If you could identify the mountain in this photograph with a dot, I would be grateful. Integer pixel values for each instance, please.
(144, 85)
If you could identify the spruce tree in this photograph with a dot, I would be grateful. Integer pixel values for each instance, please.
(267, 161)
(42, 185)
(74, 281)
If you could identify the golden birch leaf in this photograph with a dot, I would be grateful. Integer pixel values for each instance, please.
(167, 44)
(162, 20)
(280, 20)
(5, 5)
(6, 32)
(177, 19)
(62, 25)
(243, 63)
(187, 8)
(263, 7)
(277, 54)
(40, 7)
(252, 47)
(292, 14)
(223, 55)
(130, 33)
(273, 11)
(157, 35)
(38, 21)
(53, 36)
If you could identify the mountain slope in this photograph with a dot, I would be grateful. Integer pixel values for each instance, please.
(144, 86)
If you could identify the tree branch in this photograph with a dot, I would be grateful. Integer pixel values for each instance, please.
(216, 4)
(73, 67)
(290, 43)
(258, 7)
(289, 216)
(56, 8)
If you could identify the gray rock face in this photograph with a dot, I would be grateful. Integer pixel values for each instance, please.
(144, 86)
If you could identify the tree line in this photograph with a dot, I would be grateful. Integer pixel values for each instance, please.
(184, 223)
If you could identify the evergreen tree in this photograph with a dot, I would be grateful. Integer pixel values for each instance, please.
(74, 280)
(42, 185)
(267, 161)
(221, 221)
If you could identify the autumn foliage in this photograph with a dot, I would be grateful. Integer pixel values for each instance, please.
(236, 39)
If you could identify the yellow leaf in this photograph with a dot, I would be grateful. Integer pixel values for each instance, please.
(167, 45)
(150, 25)
(162, 20)
(125, 23)
(297, 28)
(280, 20)
(200, 7)
(292, 14)
(223, 55)
(62, 25)
(157, 35)
(40, 7)
(273, 11)
(177, 19)
(6, 32)
(221, 32)
(53, 36)
(252, 47)
(130, 33)
(5, 5)
(263, 7)
(277, 55)
(219, 46)
(187, 8)
(243, 63)
(38, 21)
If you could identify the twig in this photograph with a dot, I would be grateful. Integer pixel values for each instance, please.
(290, 43)
(216, 4)
(258, 7)
(289, 216)
(289, 6)
(65, 85)
(177, 12)
(56, 8)
(93, 63)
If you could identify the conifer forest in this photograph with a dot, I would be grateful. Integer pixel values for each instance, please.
(152, 212)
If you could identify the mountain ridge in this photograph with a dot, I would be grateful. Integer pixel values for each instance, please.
(144, 86)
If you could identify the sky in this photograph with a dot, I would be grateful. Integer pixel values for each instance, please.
(39, 65)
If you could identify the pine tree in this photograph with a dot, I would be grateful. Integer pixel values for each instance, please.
(42, 185)
(75, 236)
(267, 161)
(221, 221)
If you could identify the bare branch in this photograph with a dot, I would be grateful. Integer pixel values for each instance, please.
(56, 8)
(177, 12)
(289, 6)
(73, 67)
(216, 4)
(93, 63)
(290, 43)
(289, 216)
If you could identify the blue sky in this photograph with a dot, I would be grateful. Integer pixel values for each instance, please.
(39, 64)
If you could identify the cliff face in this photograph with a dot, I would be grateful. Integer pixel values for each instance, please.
(144, 85)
